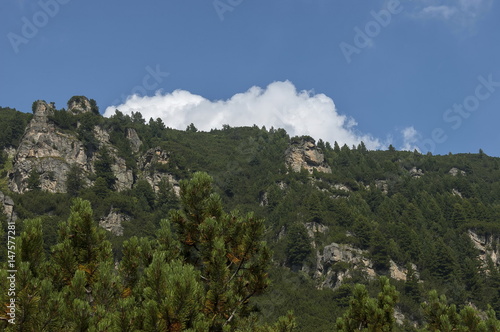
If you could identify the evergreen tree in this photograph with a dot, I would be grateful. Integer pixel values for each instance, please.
(33, 182)
(227, 249)
(298, 245)
(82, 245)
(369, 314)
(379, 251)
(103, 168)
(74, 180)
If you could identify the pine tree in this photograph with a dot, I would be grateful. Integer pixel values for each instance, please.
(369, 314)
(298, 245)
(441, 317)
(103, 168)
(174, 296)
(74, 180)
(33, 182)
(226, 248)
(82, 245)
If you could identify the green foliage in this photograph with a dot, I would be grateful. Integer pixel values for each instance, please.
(298, 245)
(443, 317)
(85, 132)
(372, 201)
(12, 125)
(199, 276)
(228, 248)
(64, 120)
(192, 128)
(103, 168)
(33, 182)
(369, 314)
(74, 180)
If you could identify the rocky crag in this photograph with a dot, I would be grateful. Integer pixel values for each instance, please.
(46, 152)
(304, 154)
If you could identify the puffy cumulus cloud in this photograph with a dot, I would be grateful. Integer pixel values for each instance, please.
(279, 105)
(410, 139)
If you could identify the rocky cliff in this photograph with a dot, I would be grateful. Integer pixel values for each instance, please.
(303, 153)
(124, 176)
(45, 152)
(339, 261)
(488, 247)
(7, 207)
(152, 165)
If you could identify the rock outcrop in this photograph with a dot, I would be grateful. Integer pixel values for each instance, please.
(79, 104)
(382, 185)
(416, 172)
(7, 206)
(338, 261)
(488, 246)
(133, 138)
(45, 152)
(113, 222)
(304, 153)
(153, 164)
(455, 171)
(314, 228)
(124, 176)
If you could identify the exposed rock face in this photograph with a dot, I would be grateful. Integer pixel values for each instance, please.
(151, 164)
(79, 104)
(382, 185)
(264, 199)
(113, 222)
(314, 228)
(456, 192)
(7, 205)
(339, 261)
(342, 187)
(340, 253)
(46, 151)
(10, 151)
(399, 273)
(305, 154)
(124, 176)
(135, 141)
(416, 173)
(488, 246)
(282, 233)
(455, 171)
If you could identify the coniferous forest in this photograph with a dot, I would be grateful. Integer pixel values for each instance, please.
(125, 224)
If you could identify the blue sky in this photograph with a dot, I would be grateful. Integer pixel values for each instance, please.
(416, 74)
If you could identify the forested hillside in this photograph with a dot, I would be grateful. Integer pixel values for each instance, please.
(124, 224)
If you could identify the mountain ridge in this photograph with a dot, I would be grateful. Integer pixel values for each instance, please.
(335, 215)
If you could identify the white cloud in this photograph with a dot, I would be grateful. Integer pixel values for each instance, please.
(410, 138)
(439, 11)
(461, 13)
(279, 105)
